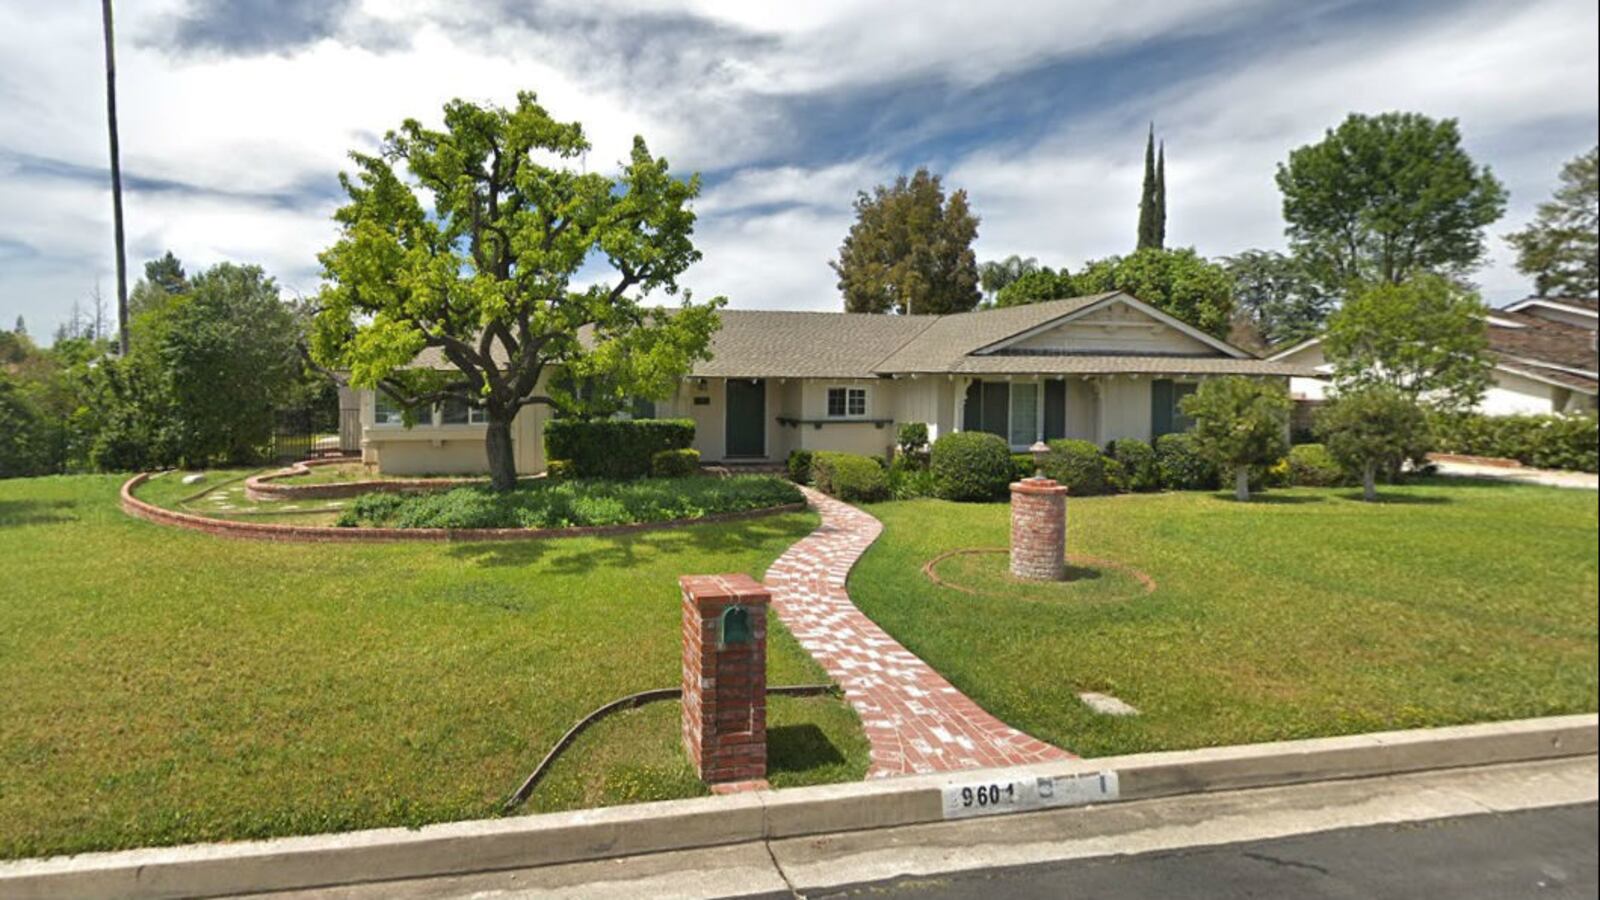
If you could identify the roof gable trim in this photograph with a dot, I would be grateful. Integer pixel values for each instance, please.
(1115, 297)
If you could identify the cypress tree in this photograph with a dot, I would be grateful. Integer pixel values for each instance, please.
(1161, 197)
(1147, 196)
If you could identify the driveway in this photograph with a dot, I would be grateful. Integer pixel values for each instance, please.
(1549, 477)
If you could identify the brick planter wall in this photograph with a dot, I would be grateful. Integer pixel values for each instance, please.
(724, 684)
(1038, 530)
(266, 487)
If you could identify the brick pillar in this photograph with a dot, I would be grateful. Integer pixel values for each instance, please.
(1038, 530)
(725, 676)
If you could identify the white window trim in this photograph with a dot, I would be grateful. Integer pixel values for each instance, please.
(866, 401)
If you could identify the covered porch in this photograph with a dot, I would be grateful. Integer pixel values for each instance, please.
(1097, 408)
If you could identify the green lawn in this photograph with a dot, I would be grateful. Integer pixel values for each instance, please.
(221, 496)
(163, 686)
(1305, 613)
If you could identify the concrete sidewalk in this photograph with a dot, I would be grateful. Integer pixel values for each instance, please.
(805, 866)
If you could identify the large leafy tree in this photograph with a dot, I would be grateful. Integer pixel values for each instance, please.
(1424, 338)
(485, 278)
(1279, 298)
(1371, 430)
(1041, 284)
(1561, 247)
(910, 250)
(1382, 198)
(1238, 423)
(1180, 282)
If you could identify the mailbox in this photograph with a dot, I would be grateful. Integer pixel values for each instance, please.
(734, 626)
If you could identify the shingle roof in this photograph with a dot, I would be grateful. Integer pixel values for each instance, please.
(1116, 365)
(949, 339)
(1542, 340)
(770, 344)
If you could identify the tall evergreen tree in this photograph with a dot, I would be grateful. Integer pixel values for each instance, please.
(1161, 196)
(1147, 194)
(910, 250)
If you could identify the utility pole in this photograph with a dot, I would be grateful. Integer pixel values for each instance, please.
(116, 179)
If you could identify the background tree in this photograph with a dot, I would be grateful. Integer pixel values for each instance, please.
(1383, 198)
(1279, 298)
(1371, 430)
(1043, 283)
(1153, 195)
(1179, 282)
(1238, 423)
(910, 250)
(1561, 247)
(164, 279)
(994, 275)
(485, 277)
(1424, 338)
(24, 442)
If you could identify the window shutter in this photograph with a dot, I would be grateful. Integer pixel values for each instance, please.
(1160, 407)
(1055, 409)
(972, 412)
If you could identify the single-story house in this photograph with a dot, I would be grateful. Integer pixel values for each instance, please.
(1099, 367)
(1544, 355)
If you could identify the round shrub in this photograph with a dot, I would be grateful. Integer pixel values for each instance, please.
(970, 466)
(1311, 465)
(850, 477)
(911, 443)
(1138, 462)
(1181, 466)
(675, 463)
(1022, 466)
(799, 466)
(1081, 467)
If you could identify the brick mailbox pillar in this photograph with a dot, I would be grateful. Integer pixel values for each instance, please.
(725, 676)
(1038, 530)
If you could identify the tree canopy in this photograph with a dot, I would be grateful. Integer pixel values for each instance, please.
(1560, 249)
(1424, 338)
(1383, 198)
(1370, 430)
(1043, 283)
(485, 278)
(1180, 282)
(1153, 195)
(994, 275)
(1277, 295)
(910, 250)
(1238, 423)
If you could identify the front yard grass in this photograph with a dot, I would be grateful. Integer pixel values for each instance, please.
(1305, 613)
(162, 686)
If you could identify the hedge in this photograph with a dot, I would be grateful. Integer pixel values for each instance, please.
(1082, 468)
(675, 463)
(799, 466)
(1311, 465)
(1180, 465)
(970, 466)
(850, 476)
(607, 448)
(1137, 460)
(1555, 441)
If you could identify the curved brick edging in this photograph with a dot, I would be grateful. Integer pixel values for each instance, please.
(915, 720)
(264, 531)
(265, 487)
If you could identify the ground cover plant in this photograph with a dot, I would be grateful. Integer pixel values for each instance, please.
(1305, 613)
(163, 686)
(544, 503)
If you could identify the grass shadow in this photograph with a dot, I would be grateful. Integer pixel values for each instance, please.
(1269, 499)
(1082, 573)
(16, 513)
(800, 748)
(1386, 497)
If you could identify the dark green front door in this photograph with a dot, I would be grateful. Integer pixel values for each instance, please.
(747, 418)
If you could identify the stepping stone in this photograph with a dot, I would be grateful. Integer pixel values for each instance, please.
(196, 478)
(1106, 705)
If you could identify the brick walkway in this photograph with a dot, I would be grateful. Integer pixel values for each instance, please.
(917, 722)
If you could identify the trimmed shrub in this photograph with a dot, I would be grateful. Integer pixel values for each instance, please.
(912, 443)
(559, 470)
(1181, 466)
(675, 463)
(910, 482)
(566, 504)
(799, 466)
(609, 448)
(1022, 466)
(850, 476)
(1138, 462)
(1557, 441)
(1311, 465)
(970, 466)
(1081, 467)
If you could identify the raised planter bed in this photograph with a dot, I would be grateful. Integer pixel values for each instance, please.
(266, 486)
(265, 531)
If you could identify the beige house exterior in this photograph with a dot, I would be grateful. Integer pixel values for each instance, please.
(1098, 368)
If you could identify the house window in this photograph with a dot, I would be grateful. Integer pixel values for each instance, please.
(1024, 414)
(387, 412)
(459, 412)
(641, 408)
(847, 402)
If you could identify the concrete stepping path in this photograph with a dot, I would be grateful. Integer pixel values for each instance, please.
(916, 721)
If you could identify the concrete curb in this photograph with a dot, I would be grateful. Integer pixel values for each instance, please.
(520, 842)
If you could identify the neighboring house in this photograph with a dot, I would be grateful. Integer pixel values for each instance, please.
(1544, 355)
(1098, 368)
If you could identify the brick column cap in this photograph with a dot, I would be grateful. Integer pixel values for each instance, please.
(1045, 486)
(718, 589)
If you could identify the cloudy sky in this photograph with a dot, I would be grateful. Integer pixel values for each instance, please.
(237, 115)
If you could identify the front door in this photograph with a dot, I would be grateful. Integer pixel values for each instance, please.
(747, 418)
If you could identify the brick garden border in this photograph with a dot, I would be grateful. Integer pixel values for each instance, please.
(266, 531)
(264, 486)
(928, 568)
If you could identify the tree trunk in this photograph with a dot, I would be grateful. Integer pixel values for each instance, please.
(502, 457)
(1241, 482)
(1369, 482)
